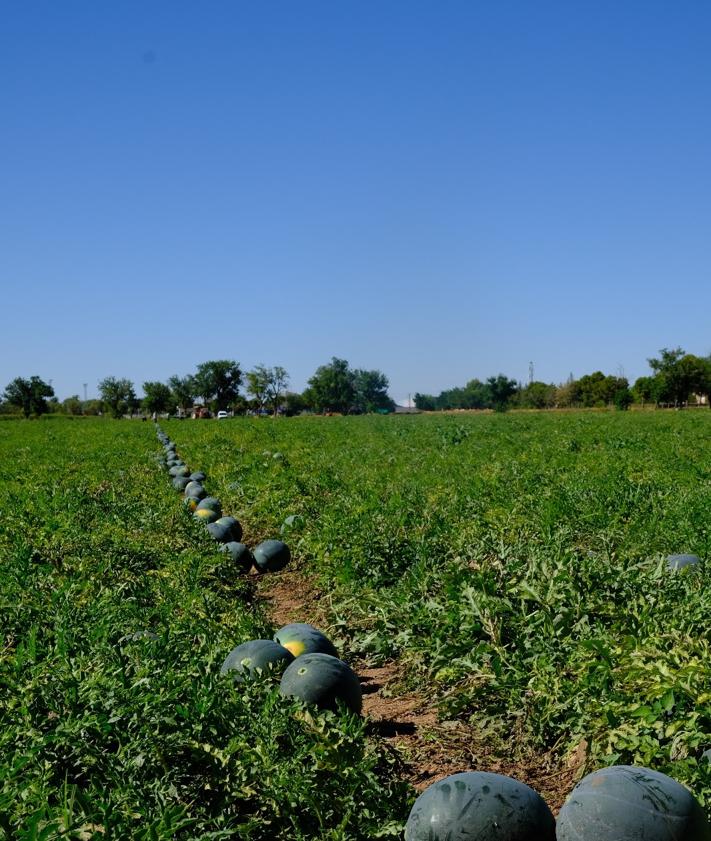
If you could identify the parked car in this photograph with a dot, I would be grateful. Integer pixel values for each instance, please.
(222, 414)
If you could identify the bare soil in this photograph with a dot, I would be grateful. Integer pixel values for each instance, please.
(429, 748)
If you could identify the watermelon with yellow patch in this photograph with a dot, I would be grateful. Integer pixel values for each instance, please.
(205, 515)
(301, 638)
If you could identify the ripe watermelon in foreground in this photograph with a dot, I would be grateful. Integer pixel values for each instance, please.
(479, 806)
(629, 803)
(322, 680)
(301, 638)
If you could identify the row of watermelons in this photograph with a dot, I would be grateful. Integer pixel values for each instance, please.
(268, 556)
(618, 803)
(320, 677)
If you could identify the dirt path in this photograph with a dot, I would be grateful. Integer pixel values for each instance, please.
(430, 749)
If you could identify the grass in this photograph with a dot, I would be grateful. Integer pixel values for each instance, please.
(108, 732)
(515, 563)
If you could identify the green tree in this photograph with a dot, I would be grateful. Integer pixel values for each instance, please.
(332, 387)
(648, 389)
(118, 396)
(29, 395)
(182, 390)
(218, 382)
(537, 395)
(72, 405)
(267, 386)
(158, 397)
(371, 391)
(257, 381)
(294, 403)
(502, 389)
(425, 402)
(675, 390)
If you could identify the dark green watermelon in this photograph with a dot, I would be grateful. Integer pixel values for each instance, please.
(198, 476)
(239, 553)
(322, 680)
(225, 530)
(479, 806)
(194, 488)
(301, 638)
(254, 656)
(180, 483)
(630, 803)
(234, 526)
(271, 556)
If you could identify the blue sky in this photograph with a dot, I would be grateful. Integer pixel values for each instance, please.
(441, 190)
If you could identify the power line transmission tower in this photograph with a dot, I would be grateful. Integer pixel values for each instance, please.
(530, 373)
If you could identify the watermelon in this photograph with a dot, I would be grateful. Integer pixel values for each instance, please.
(198, 476)
(322, 680)
(301, 638)
(225, 530)
(240, 554)
(194, 488)
(212, 503)
(233, 525)
(271, 556)
(480, 806)
(630, 803)
(675, 562)
(254, 656)
(180, 483)
(205, 515)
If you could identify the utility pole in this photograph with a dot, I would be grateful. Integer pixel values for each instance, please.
(530, 373)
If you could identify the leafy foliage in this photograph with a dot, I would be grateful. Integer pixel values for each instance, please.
(118, 396)
(107, 731)
(217, 382)
(515, 564)
(29, 395)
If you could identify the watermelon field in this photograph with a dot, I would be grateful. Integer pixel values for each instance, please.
(504, 576)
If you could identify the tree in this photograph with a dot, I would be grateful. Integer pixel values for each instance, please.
(72, 405)
(667, 368)
(277, 381)
(332, 387)
(622, 398)
(218, 382)
(537, 395)
(682, 374)
(294, 403)
(425, 402)
(257, 385)
(648, 389)
(371, 391)
(502, 390)
(29, 395)
(118, 396)
(158, 397)
(182, 390)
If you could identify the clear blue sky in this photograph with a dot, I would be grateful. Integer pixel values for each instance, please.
(441, 190)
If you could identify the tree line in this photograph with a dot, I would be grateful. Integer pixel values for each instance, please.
(677, 378)
(216, 384)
